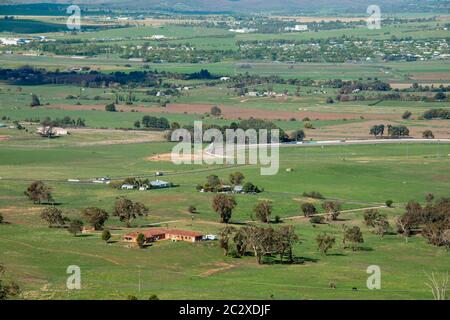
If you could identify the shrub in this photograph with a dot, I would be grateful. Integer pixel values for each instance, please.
(140, 240)
(308, 209)
(316, 220)
(428, 134)
(389, 203)
(313, 194)
(406, 115)
(106, 235)
(308, 125)
(110, 107)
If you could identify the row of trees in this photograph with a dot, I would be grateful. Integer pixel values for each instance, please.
(261, 242)
(64, 122)
(125, 209)
(153, 122)
(215, 184)
(393, 131)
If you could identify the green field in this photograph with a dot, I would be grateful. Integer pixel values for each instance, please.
(359, 176)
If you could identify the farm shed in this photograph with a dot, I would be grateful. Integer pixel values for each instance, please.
(159, 184)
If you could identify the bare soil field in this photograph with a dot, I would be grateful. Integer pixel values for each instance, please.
(427, 76)
(119, 136)
(185, 157)
(408, 85)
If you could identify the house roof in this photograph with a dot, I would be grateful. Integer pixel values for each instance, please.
(157, 183)
(161, 231)
(186, 233)
(147, 233)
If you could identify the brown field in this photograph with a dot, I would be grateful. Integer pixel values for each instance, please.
(4, 138)
(409, 84)
(429, 76)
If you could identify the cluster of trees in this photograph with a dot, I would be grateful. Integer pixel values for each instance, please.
(153, 123)
(426, 88)
(252, 123)
(332, 210)
(27, 75)
(376, 220)
(38, 192)
(261, 242)
(436, 114)
(393, 131)
(432, 220)
(215, 184)
(128, 210)
(64, 122)
(124, 208)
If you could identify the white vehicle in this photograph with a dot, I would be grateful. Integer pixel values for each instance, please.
(210, 237)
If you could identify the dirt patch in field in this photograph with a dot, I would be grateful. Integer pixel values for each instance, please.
(4, 138)
(221, 267)
(185, 157)
(119, 136)
(232, 112)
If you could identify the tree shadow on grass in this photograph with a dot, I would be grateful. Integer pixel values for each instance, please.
(336, 255)
(296, 260)
(84, 235)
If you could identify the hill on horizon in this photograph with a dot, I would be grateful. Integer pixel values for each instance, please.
(250, 6)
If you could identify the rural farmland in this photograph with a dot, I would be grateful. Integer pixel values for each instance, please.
(344, 131)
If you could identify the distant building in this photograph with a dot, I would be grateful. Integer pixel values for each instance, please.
(157, 234)
(104, 180)
(56, 131)
(243, 30)
(298, 27)
(159, 184)
(127, 187)
(158, 37)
